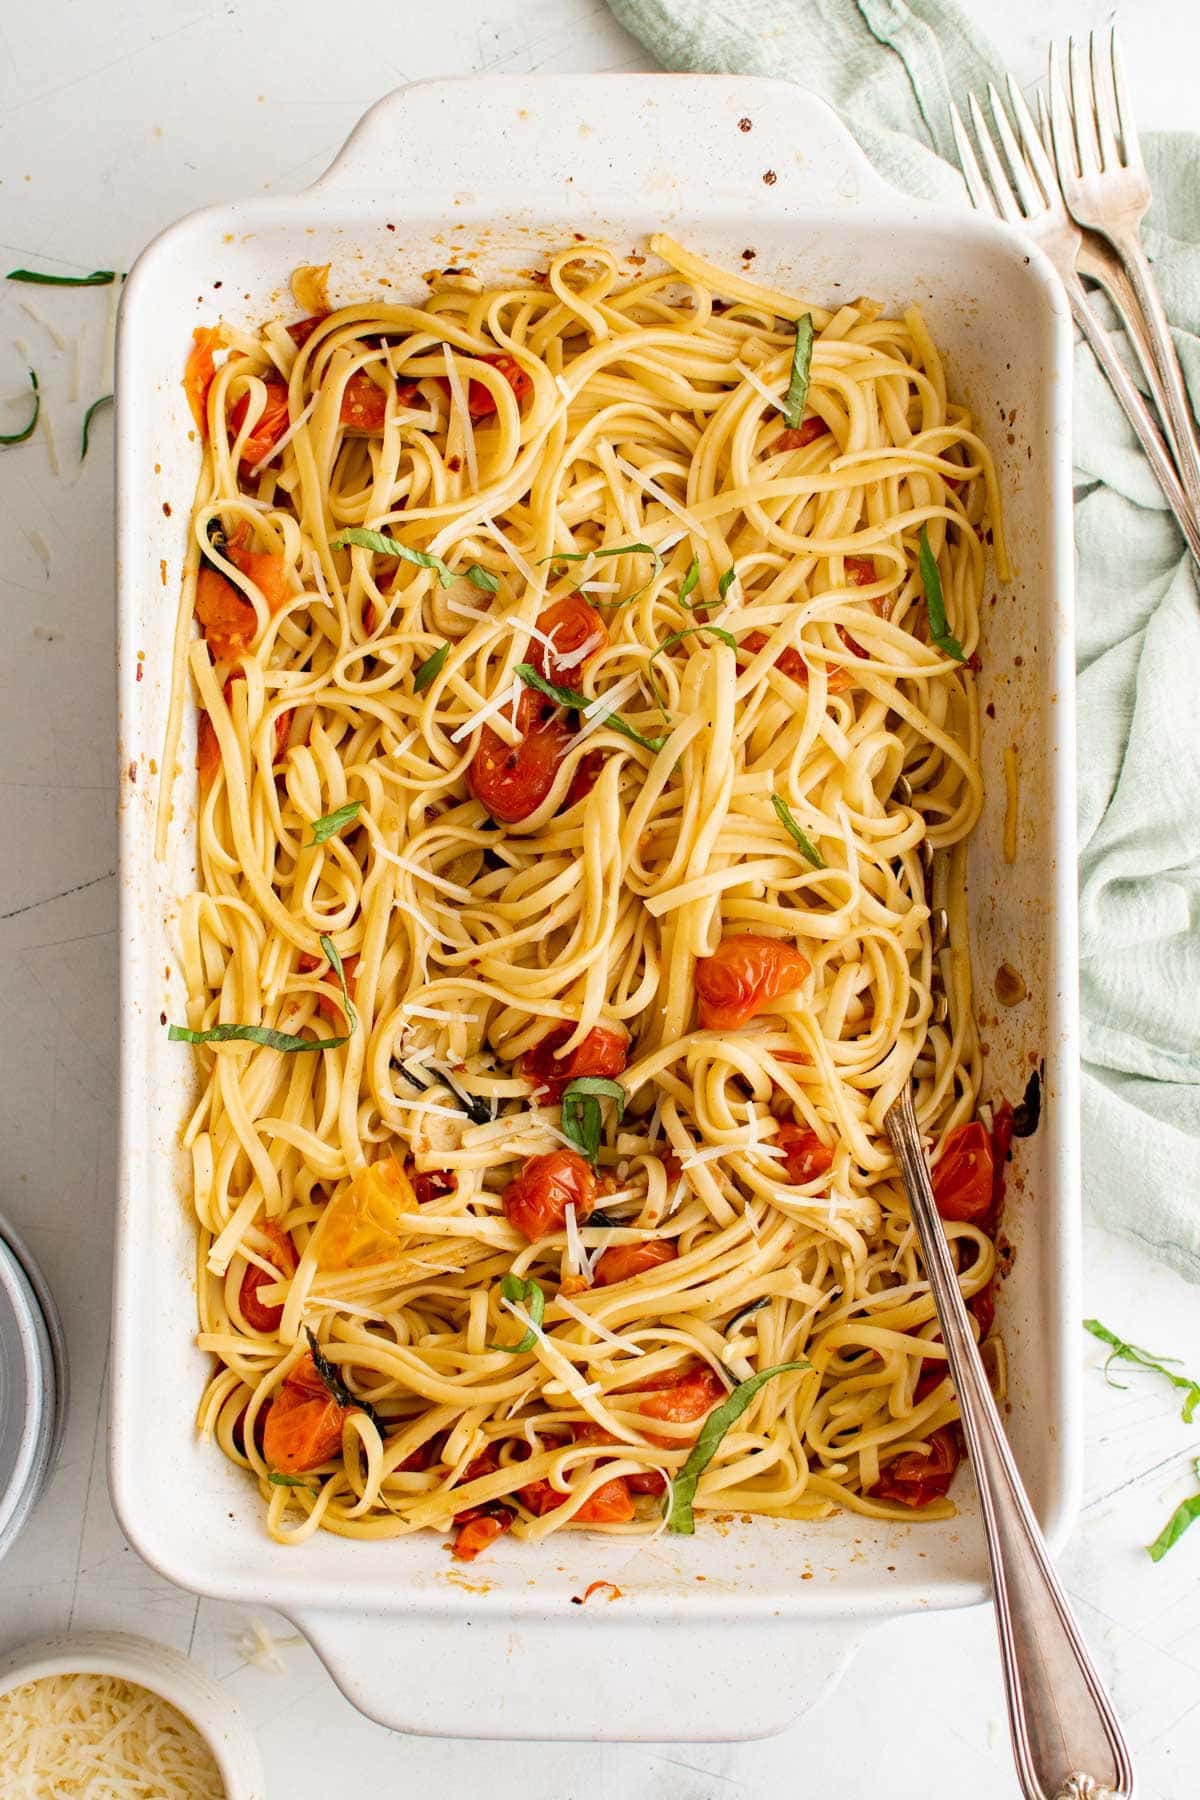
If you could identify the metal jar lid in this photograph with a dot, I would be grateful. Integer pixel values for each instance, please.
(33, 1383)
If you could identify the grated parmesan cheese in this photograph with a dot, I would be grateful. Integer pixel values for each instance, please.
(487, 711)
(96, 1734)
(577, 1256)
(47, 425)
(601, 1331)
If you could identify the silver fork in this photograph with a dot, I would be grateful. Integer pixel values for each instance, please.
(1066, 1739)
(1028, 197)
(1104, 184)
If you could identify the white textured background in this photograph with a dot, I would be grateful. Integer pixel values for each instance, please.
(114, 119)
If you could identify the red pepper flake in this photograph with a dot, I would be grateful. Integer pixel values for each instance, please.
(770, 178)
(138, 675)
(166, 509)
(607, 1587)
(744, 124)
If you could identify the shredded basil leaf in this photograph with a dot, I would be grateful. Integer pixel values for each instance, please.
(572, 698)
(476, 1108)
(682, 1490)
(383, 545)
(526, 1293)
(19, 437)
(482, 578)
(935, 606)
(691, 578)
(276, 1040)
(38, 278)
(337, 1387)
(278, 1480)
(1144, 1359)
(1184, 1515)
(104, 400)
(754, 1306)
(797, 394)
(569, 556)
(430, 669)
(329, 824)
(582, 1120)
(726, 582)
(784, 814)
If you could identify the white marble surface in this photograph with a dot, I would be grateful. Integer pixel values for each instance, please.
(115, 119)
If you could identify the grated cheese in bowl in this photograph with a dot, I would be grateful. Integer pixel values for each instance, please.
(80, 1735)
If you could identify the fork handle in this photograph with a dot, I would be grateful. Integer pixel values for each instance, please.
(1066, 1739)
(1137, 412)
(1181, 427)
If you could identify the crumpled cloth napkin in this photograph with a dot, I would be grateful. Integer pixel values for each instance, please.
(891, 69)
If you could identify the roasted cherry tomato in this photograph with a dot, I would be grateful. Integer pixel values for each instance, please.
(256, 1313)
(198, 374)
(587, 774)
(624, 1261)
(364, 404)
(304, 1423)
(431, 1184)
(918, 1477)
(228, 621)
(805, 1156)
(269, 427)
(795, 437)
(573, 626)
(962, 1180)
(481, 402)
(650, 1481)
(604, 1051)
(789, 662)
(744, 976)
(478, 1533)
(512, 780)
(208, 748)
(300, 330)
(860, 570)
(536, 1200)
(680, 1400)
(609, 1505)
(266, 569)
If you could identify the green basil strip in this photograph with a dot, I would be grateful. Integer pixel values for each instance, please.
(38, 278)
(1144, 1359)
(529, 1295)
(690, 579)
(797, 394)
(682, 1490)
(935, 606)
(329, 824)
(656, 567)
(1184, 1515)
(784, 814)
(726, 582)
(572, 698)
(18, 437)
(582, 1120)
(278, 1480)
(482, 578)
(745, 1313)
(328, 1372)
(430, 669)
(104, 400)
(276, 1040)
(383, 545)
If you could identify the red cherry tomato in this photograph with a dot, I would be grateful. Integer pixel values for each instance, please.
(431, 1184)
(300, 330)
(743, 976)
(571, 623)
(609, 1505)
(536, 1200)
(512, 780)
(304, 1423)
(604, 1051)
(256, 1313)
(587, 774)
(198, 373)
(364, 404)
(962, 1180)
(478, 1533)
(860, 570)
(805, 1156)
(789, 662)
(681, 1400)
(650, 1481)
(624, 1261)
(269, 427)
(481, 402)
(228, 621)
(918, 1477)
(208, 748)
(795, 437)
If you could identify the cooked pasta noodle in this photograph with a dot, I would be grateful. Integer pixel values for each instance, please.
(768, 751)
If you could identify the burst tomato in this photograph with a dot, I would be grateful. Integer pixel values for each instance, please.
(805, 1156)
(789, 662)
(624, 1261)
(364, 404)
(198, 374)
(478, 1533)
(300, 330)
(609, 1505)
(795, 437)
(481, 402)
(266, 569)
(512, 780)
(257, 1314)
(573, 625)
(860, 570)
(536, 1200)
(743, 976)
(920, 1476)
(962, 1180)
(269, 427)
(650, 1481)
(604, 1051)
(432, 1184)
(587, 774)
(208, 748)
(327, 1006)
(228, 621)
(304, 1423)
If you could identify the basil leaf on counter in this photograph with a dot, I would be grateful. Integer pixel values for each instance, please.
(1184, 1515)
(104, 400)
(39, 278)
(19, 437)
(1144, 1359)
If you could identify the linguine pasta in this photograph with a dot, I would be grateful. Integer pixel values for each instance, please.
(489, 1126)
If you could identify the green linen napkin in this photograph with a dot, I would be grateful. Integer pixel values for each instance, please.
(891, 69)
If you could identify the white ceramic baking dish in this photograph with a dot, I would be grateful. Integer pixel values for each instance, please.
(730, 1633)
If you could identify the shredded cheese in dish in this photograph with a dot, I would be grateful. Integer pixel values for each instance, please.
(588, 741)
(96, 1734)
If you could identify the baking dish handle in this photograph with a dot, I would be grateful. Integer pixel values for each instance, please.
(751, 141)
(587, 1677)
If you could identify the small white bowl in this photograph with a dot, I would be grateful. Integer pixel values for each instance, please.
(135, 1659)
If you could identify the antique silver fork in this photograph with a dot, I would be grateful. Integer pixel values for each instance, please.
(1067, 1742)
(1028, 196)
(1104, 184)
